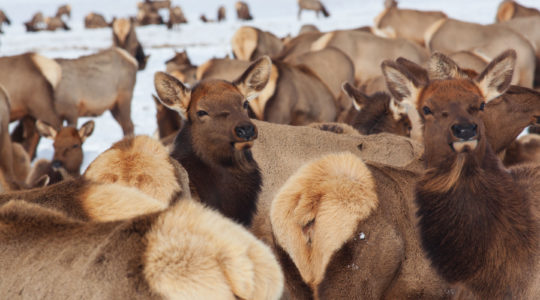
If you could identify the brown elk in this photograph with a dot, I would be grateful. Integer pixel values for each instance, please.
(526, 149)
(125, 37)
(214, 143)
(375, 113)
(509, 9)
(221, 14)
(478, 221)
(63, 10)
(315, 5)
(169, 122)
(95, 83)
(95, 20)
(36, 23)
(53, 23)
(3, 19)
(68, 154)
(250, 43)
(148, 12)
(242, 11)
(181, 67)
(176, 16)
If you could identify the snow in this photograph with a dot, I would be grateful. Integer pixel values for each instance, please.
(201, 40)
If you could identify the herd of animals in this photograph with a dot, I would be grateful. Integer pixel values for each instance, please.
(378, 162)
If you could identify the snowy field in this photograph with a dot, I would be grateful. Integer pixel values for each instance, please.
(201, 40)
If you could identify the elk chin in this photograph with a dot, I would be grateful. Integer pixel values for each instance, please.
(464, 146)
(243, 145)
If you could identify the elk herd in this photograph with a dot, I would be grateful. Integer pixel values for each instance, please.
(378, 162)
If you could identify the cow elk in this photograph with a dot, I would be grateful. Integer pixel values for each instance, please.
(95, 20)
(63, 10)
(479, 222)
(181, 67)
(242, 11)
(36, 23)
(314, 5)
(250, 43)
(68, 154)
(3, 19)
(214, 143)
(176, 16)
(125, 37)
(221, 14)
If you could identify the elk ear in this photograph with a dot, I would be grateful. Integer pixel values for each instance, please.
(172, 93)
(420, 74)
(255, 78)
(400, 82)
(358, 98)
(46, 130)
(443, 67)
(497, 76)
(86, 130)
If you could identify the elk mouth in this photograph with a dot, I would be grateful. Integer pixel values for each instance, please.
(242, 145)
(464, 145)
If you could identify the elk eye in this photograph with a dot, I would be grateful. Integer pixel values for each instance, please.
(482, 105)
(201, 113)
(75, 146)
(426, 110)
(245, 104)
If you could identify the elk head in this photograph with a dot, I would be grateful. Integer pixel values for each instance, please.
(449, 103)
(216, 110)
(68, 142)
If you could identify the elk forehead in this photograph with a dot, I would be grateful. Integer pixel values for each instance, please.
(66, 137)
(216, 92)
(440, 93)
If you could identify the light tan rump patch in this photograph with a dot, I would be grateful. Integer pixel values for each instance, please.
(319, 208)
(121, 28)
(244, 42)
(143, 164)
(127, 56)
(432, 29)
(322, 42)
(195, 253)
(49, 68)
(258, 104)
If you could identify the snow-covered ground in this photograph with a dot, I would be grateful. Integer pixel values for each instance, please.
(201, 40)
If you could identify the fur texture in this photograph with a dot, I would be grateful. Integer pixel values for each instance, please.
(319, 208)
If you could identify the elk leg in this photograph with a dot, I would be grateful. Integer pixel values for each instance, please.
(121, 112)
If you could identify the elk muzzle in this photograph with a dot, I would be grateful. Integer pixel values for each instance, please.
(246, 133)
(467, 135)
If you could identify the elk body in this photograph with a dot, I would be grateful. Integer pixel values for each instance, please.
(176, 16)
(314, 5)
(95, 20)
(509, 9)
(92, 84)
(250, 43)
(125, 37)
(242, 11)
(478, 221)
(214, 144)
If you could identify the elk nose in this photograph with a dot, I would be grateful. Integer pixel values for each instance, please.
(464, 131)
(246, 132)
(56, 164)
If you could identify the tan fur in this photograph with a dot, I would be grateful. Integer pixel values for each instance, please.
(335, 127)
(127, 202)
(122, 28)
(201, 70)
(195, 253)
(143, 163)
(244, 42)
(322, 42)
(505, 11)
(21, 162)
(387, 32)
(428, 35)
(49, 68)
(319, 208)
(127, 56)
(258, 104)
(379, 17)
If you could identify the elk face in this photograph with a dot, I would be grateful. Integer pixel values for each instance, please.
(216, 110)
(67, 144)
(450, 104)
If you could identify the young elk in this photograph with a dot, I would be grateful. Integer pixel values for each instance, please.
(478, 221)
(68, 154)
(214, 144)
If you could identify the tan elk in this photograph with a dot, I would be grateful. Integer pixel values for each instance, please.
(125, 37)
(479, 222)
(95, 20)
(176, 16)
(509, 9)
(250, 43)
(36, 23)
(92, 84)
(63, 10)
(3, 19)
(214, 143)
(314, 5)
(242, 11)
(181, 67)
(68, 154)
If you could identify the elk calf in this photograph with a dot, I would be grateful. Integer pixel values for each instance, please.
(214, 144)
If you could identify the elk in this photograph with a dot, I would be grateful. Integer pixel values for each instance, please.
(176, 16)
(95, 20)
(315, 5)
(389, 262)
(214, 143)
(3, 19)
(148, 14)
(125, 37)
(68, 154)
(509, 9)
(250, 43)
(478, 221)
(36, 23)
(221, 14)
(181, 67)
(242, 11)
(375, 113)
(63, 10)
(95, 83)
(53, 23)
(526, 149)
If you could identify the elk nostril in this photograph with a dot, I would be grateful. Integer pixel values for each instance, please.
(464, 131)
(245, 131)
(56, 164)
